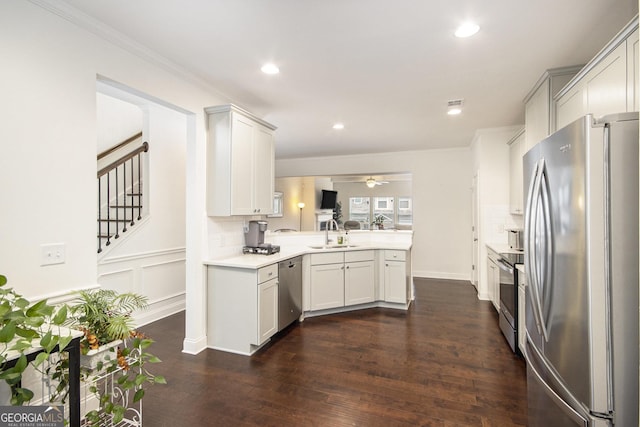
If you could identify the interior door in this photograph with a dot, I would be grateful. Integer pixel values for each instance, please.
(474, 231)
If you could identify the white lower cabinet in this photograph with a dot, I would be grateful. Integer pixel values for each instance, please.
(327, 286)
(359, 282)
(267, 310)
(493, 278)
(396, 283)
(341, 279)
(242, 307)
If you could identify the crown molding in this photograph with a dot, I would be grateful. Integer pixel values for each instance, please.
(109, 34)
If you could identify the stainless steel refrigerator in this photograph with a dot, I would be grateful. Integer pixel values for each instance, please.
(581, 265)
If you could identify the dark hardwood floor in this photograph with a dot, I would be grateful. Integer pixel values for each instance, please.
(442, 363)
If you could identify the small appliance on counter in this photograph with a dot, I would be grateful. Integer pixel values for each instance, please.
(254, 240)
(516, 238)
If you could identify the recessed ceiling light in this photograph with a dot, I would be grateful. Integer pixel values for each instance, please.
(454, 111)
(270, 68)
(467, 29)
(338, 126)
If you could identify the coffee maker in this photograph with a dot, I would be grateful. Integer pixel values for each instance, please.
(254, 239)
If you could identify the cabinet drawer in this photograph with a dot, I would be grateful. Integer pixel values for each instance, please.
(355, 256)
(267, 273)
(392, 255)
(327, 258)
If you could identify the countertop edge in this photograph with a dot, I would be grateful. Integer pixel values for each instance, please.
(253, 262)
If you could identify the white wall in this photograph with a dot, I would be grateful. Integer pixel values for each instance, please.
(117, 121)
(47, 155)
(490, 154)
(441, 201)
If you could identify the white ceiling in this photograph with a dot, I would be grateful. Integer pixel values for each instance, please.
(386, 69)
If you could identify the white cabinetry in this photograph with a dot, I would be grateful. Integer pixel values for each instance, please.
(602, 87)
(539, 108)
(342, 278)
(327, 286)
(493, 277)
(522, 332)
(242, 307)
(396, 281)
(267, 310)
(359, 277)
(240, 163)
(516, 151)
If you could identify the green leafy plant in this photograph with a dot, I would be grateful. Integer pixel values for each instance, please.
(105, 316)
(337, 213)
(378, 221)
(26, 326)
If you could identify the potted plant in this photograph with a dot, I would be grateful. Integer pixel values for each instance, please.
(105, 317)
(23, 327)
(378, 221)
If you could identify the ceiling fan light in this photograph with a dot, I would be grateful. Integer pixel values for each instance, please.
(270, 69)
(467, 29)
(370, 182)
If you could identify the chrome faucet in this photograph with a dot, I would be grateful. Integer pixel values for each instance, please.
(330, 223)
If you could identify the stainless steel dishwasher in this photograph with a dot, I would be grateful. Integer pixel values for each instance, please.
(289, 291)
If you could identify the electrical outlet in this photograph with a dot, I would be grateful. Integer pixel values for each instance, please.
(53, 253)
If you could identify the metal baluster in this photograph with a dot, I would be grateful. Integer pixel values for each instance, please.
(117, 208)
(99, 216)
(132, 193)
(108, 209)
(139, 188)
(124, 198)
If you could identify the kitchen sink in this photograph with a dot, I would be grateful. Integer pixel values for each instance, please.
(333, 246)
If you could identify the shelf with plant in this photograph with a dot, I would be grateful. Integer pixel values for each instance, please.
(106, 317)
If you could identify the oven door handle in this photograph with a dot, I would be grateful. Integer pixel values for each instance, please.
(504, 266)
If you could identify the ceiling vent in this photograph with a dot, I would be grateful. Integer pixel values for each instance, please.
(454, 106)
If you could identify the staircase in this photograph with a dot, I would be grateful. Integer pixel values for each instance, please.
(120, 198)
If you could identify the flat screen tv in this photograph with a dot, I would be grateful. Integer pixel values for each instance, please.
(329, 198)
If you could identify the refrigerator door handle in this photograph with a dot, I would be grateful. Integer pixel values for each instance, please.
(532, 270)
(548, 250)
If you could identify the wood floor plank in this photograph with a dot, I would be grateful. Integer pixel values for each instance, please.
(443, 363)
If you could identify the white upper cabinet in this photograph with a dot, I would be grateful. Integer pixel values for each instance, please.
(539, 108)
(240, 163)
(606, 85)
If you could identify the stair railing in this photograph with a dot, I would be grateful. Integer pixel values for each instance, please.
(124, 192)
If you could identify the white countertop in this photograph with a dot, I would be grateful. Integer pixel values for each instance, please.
(252, 261)
(503, 248)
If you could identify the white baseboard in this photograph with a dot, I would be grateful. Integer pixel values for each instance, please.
(160, 310)
(440, 275)
(194, 346)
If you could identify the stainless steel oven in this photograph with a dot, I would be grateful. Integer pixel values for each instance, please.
(508, 313)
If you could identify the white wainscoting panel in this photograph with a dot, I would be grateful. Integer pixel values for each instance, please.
(159, 275)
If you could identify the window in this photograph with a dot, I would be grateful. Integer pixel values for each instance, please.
(394, 211)
(359, 210)
(405, 211)
(383, 206)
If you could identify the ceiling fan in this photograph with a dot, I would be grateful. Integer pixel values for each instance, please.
(371, 182)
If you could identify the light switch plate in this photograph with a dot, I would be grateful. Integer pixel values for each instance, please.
(52, 253)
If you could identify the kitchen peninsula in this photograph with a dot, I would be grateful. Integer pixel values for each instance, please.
(371, 269)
